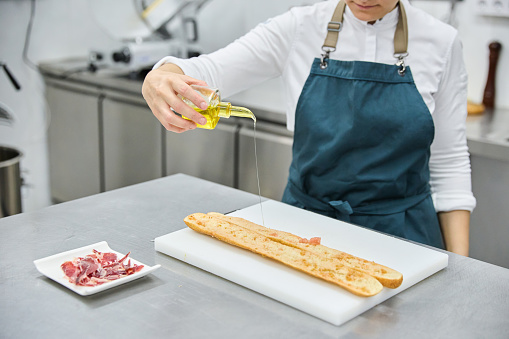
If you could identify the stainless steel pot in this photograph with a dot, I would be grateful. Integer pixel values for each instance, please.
(10, 182)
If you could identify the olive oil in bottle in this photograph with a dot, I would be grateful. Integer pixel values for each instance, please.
(216, 108)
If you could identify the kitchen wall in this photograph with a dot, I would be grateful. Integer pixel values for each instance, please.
(60, 29)
(244, 15)
(477, 32)
(64, 29)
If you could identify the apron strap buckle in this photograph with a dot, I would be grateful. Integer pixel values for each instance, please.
(325, 55)
(334, 26)
(401, 63)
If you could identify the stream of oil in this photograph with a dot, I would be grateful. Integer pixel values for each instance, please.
(257, 173)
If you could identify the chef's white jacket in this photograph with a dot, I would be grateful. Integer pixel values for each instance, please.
(287, 44)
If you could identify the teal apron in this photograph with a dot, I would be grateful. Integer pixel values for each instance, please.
(362, 145)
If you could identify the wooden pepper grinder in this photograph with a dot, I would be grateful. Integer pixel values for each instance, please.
(489, 91)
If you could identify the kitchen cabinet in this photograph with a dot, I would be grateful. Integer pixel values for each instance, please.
(274, 151)
(103, 136)
(205, 154)
(99, 140)
(488, 142)
(73, 141)
(489, 231)
(132, 142)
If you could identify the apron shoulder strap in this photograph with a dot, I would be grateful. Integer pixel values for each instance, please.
(334, 27)
(401, 33)
(336, 23)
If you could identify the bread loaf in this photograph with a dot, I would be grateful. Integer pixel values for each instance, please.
(387, 276)
(302, 259)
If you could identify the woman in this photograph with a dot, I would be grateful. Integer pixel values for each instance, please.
(379, 121)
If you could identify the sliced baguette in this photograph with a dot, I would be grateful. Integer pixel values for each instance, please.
(328, 269)
(388, 277)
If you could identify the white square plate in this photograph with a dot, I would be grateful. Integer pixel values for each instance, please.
(50, 267)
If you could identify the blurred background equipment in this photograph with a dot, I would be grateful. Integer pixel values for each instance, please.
(146, 31)
(10, 182)
(11, 77)
(488, 101)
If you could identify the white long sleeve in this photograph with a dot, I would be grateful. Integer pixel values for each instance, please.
(450, 162)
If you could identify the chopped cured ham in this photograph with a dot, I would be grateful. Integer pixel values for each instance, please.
(315, 241)
(98, 268)
(312, 241)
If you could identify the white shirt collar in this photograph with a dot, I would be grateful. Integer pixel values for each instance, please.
(388, 21)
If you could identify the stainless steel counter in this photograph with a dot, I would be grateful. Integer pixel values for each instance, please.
(76, 71)
(266, 99)
(469, 299)
(488, 135)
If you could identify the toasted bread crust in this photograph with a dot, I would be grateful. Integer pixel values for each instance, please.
(326, 268)
(388, 277)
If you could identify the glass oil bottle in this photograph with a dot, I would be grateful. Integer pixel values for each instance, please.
(216, 108)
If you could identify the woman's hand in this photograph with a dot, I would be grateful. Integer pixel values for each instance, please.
(160, 90)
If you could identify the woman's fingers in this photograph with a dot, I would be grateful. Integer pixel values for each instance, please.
(161, 89)
(184, 109)
(171, 121)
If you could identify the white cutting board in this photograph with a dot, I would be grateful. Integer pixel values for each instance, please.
(308, 294)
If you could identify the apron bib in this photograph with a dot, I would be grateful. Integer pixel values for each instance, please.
(362, 145)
